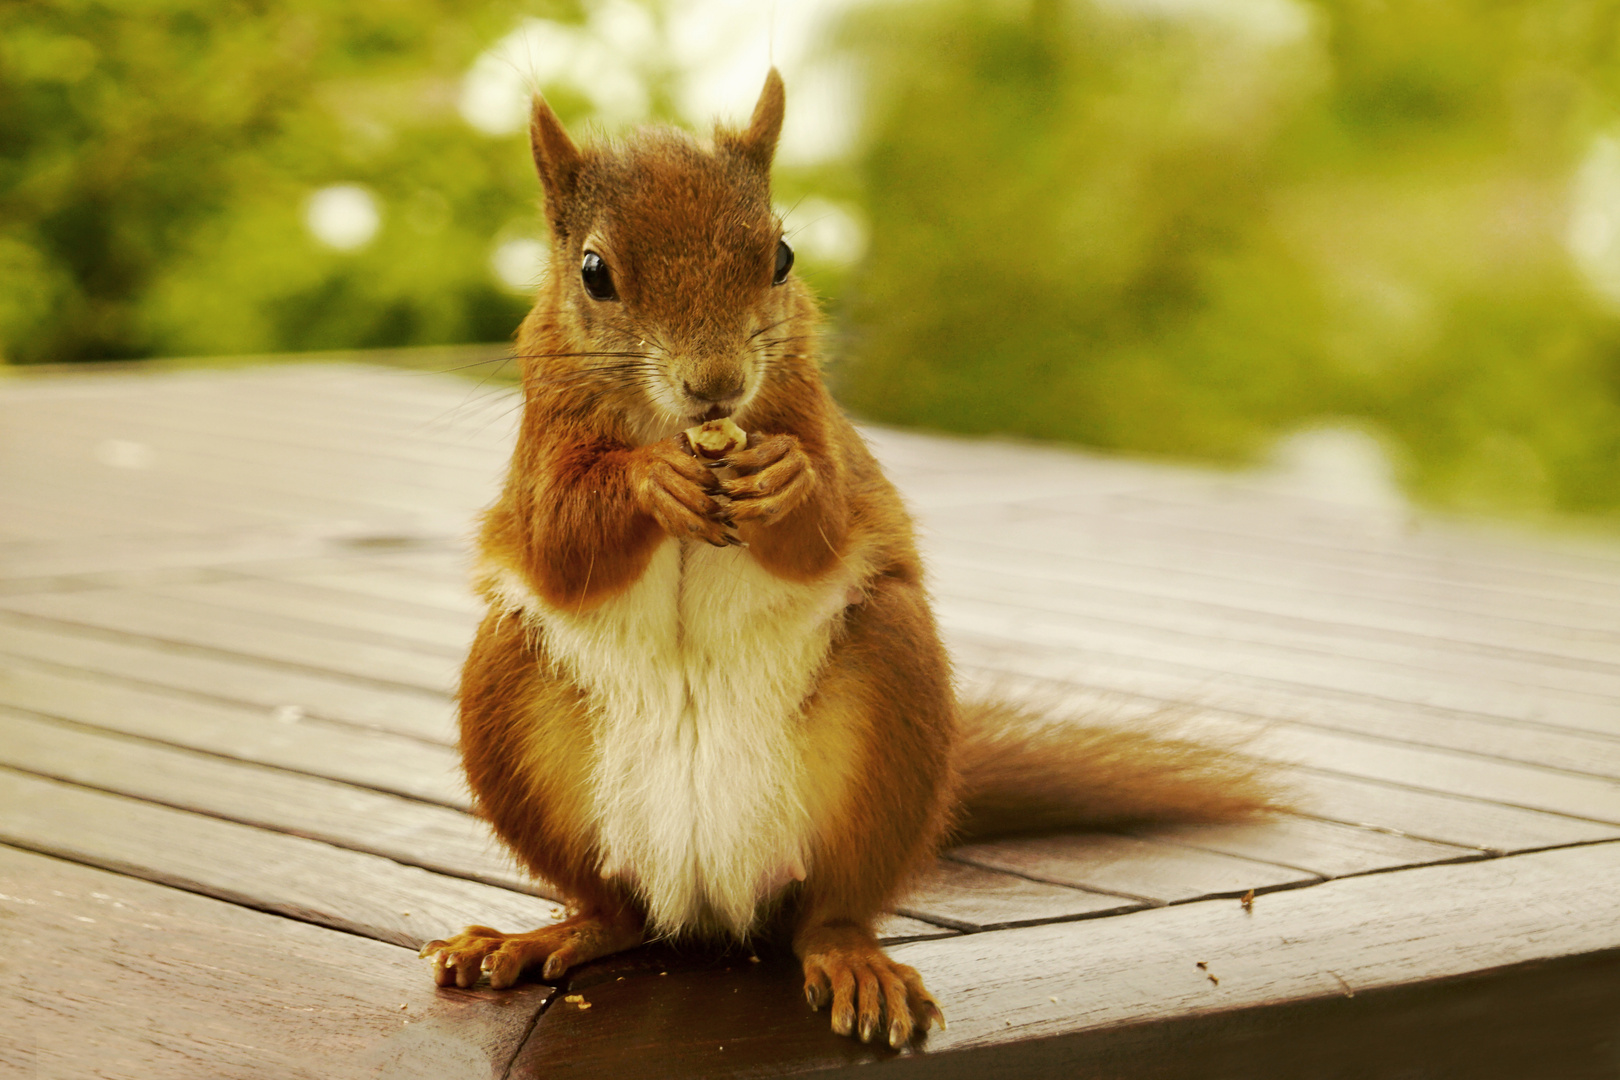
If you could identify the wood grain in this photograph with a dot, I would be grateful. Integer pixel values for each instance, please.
(303, 645)
(414, 833)
(1026, 987)
(111, 657)
(1476, 823)
(1437, 692)
(1380, 930)
(1545, 628)
(288, 875)
(1129, 866)
(373, 758)
(108, 976)
(974, 898)
(1325, 848)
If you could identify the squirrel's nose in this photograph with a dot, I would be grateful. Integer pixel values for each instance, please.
(716, 390)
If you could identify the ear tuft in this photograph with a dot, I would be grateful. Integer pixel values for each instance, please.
(758, 143)
(556, 159)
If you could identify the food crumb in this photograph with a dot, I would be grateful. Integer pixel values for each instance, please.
(405, 1005)
(753, 959)
(584, 1005)
(1248, 900)
(1202, 966)
(574, 997)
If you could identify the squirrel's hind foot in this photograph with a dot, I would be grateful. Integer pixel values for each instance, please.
(478, 950)
(865, 987)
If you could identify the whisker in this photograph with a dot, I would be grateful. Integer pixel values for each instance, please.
(771, 326)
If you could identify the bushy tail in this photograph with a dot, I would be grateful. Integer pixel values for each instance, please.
(1024, 772)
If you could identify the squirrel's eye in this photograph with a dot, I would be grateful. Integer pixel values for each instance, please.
(598, 281)
(784, 262)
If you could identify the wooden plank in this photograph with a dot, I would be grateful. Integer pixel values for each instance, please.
(252, 459)
(374, 618)
(1503, 782)
(950, 556)
(114, 579)
(1230, 678)
(221, 631)
(146, 981)
(1506, 782)
(1252, 502)
(1129, 866)
(1528, 742)
(374, 759)
(1475, 823)
(450, 413)
(112, 657)
(164, 496)
(1116, 535)
(91, 501)
(1342, 533)
(154, 547)
(414, 833)
(287, 875)
(1209, 658)
(1327, 849)
(892, 929)
(1457, 644)
(1370, 931)
(391, 583)
(973, 898)
(1062, 980)
(1543, 1018)
(261, 439)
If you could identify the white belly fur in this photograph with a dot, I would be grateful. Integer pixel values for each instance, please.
(697, 676)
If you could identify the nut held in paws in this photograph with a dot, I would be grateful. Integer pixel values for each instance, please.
(716, 438)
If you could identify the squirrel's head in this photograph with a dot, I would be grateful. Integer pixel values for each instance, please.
(668, 265)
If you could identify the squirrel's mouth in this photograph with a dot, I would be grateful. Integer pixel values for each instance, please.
(716, 412)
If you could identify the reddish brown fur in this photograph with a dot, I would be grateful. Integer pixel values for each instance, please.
(598, 482)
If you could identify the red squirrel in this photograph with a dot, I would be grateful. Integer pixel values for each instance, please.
(708, 697)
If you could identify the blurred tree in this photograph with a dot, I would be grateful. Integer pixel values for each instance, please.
(1188, 229)
(157, 158)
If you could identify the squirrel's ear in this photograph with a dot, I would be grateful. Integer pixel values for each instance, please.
(556, 159)
(758, 143)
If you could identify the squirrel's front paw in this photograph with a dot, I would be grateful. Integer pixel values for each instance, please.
(679, 492)
(478, 950)
(774, 475)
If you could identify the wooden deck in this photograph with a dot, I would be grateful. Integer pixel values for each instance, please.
(232, 605)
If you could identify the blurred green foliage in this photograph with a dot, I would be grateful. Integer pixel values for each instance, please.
(1181, 227)
(1189, 234)
(156, 157)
